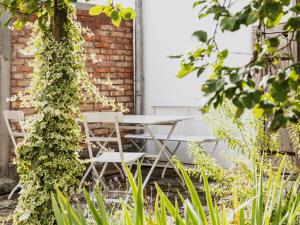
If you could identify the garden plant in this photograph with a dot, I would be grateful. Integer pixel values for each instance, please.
(279, 205)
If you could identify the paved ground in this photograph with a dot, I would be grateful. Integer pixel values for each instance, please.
(170, 185)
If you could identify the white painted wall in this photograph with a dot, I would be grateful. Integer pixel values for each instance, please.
(168, 26)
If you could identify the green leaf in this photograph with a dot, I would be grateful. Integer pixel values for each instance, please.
(200, 70)
(92, 209)
(185, 70)
(96, 10)
(212, 213)
(252, 17)
(201, 35)
(19, 23)
(194, 195)
(128, 13)
(213, 85)
(223, 54)
(272, 9)
(116, 18)
(234, 78)
(139, 204)
(57, 212)
(273, 42)
(293, 23)
(228, 23)
(296, 8)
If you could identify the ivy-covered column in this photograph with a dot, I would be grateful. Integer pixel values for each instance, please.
(48, 157)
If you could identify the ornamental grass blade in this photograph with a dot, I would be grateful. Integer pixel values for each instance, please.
(194, 195)
(92, 209)
(57, 212)
(127, 219)
(168, 204)
(101, 205)
(271, 200)
(192, 218)
(161, 214)
(139, 204)
(209, 199)
(65, 205)
(131, 180)
(254, 203)
(224, 217)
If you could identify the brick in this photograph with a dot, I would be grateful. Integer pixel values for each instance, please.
(116, 57)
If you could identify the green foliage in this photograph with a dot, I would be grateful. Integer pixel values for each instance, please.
(117, 12)
(280, 205)
(224, 181)
(48, 158)
(277, 97)
(244, 136)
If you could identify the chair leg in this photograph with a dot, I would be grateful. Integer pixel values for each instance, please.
(84, 177)
(120, 170)
(103, 170)
(214, 148)
(14, 190)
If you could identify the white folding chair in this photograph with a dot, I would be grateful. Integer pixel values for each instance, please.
(17, 118)
(104, 155)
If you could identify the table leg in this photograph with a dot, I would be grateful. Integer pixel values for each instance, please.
(162, 148)
(171, 154)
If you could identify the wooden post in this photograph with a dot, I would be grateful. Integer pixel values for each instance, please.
(59, 19)
(5, 57)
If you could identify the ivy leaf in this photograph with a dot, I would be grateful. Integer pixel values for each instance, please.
(201, 35)
(96, 10)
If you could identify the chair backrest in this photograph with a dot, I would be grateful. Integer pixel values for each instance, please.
(103, 119)
(14, 117)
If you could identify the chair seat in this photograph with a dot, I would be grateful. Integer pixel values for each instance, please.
(116, 157)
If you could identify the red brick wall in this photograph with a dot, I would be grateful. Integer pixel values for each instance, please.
(112, 45)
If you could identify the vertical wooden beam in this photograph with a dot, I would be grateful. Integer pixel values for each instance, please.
(59, 19)
(5, 58)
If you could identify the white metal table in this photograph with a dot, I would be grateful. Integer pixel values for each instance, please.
(144, 122)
